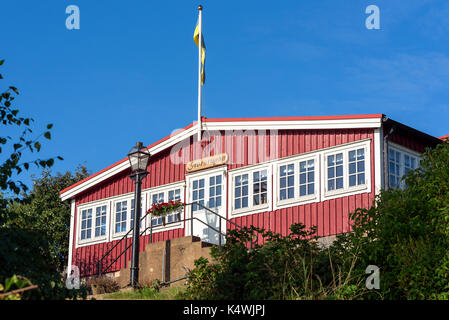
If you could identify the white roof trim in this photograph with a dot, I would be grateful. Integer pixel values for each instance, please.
(230, 125)
(295, 124)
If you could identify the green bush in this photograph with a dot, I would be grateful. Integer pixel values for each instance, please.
(290, 267)
(103, 284)
(406, 233)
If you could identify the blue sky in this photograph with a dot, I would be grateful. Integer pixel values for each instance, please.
(130, 73)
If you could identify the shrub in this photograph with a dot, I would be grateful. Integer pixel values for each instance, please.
(290, 267)
(103, 284)
(406, 232)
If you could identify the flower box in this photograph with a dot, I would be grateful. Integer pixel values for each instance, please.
(163, 209)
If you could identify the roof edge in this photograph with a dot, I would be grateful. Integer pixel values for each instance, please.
(204, 119)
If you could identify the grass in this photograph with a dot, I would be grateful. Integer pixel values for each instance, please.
(169, 293)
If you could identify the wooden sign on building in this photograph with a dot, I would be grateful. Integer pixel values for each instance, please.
(208, 162)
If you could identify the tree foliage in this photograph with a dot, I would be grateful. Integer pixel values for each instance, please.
(13, 149)
(41, 209)
(34, 227)
(406, 232)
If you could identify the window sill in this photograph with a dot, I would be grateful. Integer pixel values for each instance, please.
(298, 201)
(88, 242)
(169, 226)
(345, 192)
(258, 208)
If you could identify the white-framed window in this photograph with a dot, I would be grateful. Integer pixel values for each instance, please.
(346, 169)
(297, 180)
(165, 194)
(400, 161)
(123, 215)
(93, 224)
(250, 189)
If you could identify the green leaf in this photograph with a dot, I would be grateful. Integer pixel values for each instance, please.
(47, 135)
(1, 62)
(49, 126)
(14, 89)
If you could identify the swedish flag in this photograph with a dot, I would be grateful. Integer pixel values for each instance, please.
(203, 51)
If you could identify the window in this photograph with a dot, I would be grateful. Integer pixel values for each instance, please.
(356, 167)
(197, 194)
(121, 210)
(173, 194)
(400, 162)
(250, 189)
(100, 221)
(306, 178)
(93, 223)
(346, 170)
(214, 191)
(86, 224)
(287, 182)
(335, 172)
(241, 191)
(260, 187)
(124, 216)
(297, 180)
(394, 168)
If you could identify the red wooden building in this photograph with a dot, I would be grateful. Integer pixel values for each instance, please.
(266, 172)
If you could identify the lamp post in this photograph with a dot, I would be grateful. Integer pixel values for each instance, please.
(138, 158)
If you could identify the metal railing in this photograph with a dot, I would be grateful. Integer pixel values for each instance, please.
(100, 269)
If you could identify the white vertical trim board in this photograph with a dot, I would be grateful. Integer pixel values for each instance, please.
(72, 223)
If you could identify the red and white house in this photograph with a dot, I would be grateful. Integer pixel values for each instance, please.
(270, 173)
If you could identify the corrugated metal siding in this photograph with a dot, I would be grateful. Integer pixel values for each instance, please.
(331, 216)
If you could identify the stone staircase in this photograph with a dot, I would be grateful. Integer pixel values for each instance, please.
(166, 261)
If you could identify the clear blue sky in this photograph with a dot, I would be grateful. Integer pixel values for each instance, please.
(130, 73)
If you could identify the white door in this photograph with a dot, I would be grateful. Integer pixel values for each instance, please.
(207, 189)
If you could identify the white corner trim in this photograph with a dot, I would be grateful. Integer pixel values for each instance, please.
(378, 160)
(72, 223)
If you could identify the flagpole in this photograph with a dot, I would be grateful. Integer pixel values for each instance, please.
(200, 47)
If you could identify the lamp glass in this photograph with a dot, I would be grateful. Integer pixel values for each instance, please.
(138, 158)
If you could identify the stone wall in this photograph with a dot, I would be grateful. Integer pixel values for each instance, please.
(166, 260)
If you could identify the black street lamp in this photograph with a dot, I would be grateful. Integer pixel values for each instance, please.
(138, 158)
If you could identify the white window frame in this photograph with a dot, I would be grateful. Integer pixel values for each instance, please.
(92, 239)
(165, 189)
(346, 190)
(297, 199)
(128, 198)
(251, 209)
(403, 151)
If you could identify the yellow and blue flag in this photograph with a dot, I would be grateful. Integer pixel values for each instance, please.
(203, 51)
